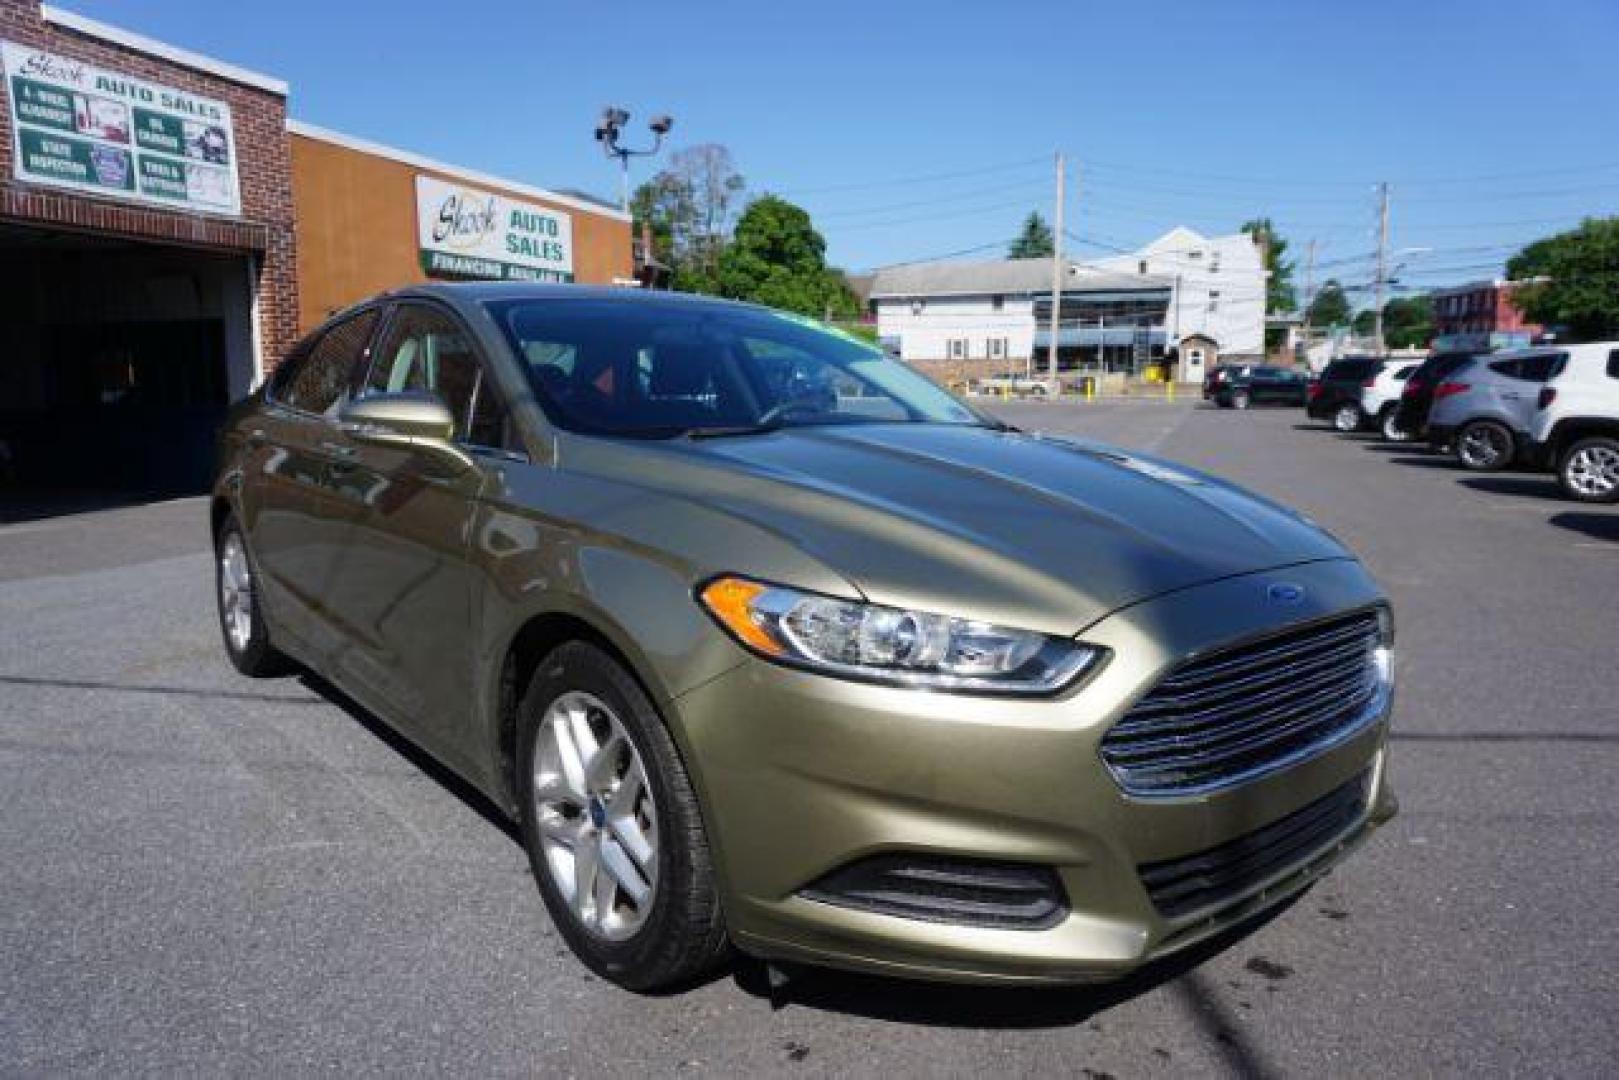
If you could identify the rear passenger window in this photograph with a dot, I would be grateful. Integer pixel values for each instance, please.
(1613, 364)
(1512, 369)
(1542, 367)
(318, 380)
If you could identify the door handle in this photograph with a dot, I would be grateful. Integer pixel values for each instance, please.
(337, 449)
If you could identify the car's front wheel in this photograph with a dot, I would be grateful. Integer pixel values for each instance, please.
(1484, 446)
(241, 611)
(612, 825)
(1241, 399)
(1346, 417)
(1589, 470)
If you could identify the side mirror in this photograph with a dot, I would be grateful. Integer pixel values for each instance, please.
(407, 420)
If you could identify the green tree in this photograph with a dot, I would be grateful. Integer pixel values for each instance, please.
(777, 258)
(1279, 295)
(1573, 280)
(691, 205)
(1408, 322)
(1035, 241)
(1364, 322)
(1330, 306)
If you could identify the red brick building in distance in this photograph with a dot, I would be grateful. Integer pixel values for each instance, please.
(1480, 315)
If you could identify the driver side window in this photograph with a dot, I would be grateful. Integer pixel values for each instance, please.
(425, 350)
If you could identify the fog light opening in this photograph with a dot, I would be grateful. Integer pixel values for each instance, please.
(931, 888)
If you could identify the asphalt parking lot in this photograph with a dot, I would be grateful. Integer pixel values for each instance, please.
(208, 874)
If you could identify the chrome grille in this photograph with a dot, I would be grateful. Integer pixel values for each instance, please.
(1242, 712)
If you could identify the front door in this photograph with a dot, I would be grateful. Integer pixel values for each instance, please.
(405, 585)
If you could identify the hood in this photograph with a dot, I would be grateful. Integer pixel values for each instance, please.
(1044, 533)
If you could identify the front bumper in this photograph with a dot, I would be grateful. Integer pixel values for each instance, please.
(802, 774)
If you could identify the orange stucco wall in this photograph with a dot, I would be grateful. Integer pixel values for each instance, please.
(355, 218)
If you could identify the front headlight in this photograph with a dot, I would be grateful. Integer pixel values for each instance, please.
(891, 645)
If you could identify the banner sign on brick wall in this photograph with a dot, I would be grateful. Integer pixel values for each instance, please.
(466, 232)
(78, 126)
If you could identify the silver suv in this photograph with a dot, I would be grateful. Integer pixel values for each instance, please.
(1483, 411)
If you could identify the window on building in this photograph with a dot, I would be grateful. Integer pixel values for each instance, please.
(1141, 267)
(1194, 255)
(1214, 299)
(995, 348)
(958, 349)
(997, 302)
(1214, 263)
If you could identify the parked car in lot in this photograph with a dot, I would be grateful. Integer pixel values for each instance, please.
(1380, 398)
(1575, 429)
(1482, 411)
(1219, 374)
(1417, 397)
(866, 678)
(1335, 396)
(1258, 384)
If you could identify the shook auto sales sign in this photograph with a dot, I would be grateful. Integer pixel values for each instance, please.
(82, 127)
(467, 232)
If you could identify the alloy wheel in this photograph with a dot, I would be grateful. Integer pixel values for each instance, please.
(1392, 432)
(1483, 446)
(236, 592)
(1347, 418)
(1593, 471)
(595, 816)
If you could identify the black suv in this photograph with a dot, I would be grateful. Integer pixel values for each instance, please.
(1416, 400)
(1256, 385)
(1335, 397)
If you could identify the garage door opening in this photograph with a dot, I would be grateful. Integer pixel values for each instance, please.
(118, 360)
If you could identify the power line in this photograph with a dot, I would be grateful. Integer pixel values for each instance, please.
(920, 179)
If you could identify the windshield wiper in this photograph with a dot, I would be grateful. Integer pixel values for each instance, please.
(732, 430)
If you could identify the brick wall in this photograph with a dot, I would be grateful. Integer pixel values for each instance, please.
(259, 117)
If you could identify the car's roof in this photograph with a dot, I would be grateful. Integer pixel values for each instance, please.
(477, 292)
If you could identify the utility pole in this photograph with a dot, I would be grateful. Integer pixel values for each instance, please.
(1056, 275)
(1382, 260)
(1309, 282)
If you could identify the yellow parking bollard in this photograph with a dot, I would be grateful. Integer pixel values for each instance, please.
(1169, 390)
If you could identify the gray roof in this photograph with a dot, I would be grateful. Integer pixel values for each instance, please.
(1001, 276)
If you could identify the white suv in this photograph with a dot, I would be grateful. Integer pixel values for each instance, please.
(1380, 398)
(1575, 429)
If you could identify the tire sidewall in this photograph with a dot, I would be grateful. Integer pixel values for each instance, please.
(636, 962)
(1241, 400)
(1346, 418)
(1499, 464)
(1568, 459)
(259, 657)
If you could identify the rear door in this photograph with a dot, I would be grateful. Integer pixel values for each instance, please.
(295, 519)
(405, 584)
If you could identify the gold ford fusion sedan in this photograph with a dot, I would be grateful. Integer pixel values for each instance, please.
(767, 641)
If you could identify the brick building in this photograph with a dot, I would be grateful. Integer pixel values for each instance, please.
(153, 203)
(1480, 315)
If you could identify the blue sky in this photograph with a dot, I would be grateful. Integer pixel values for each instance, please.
(911, 130)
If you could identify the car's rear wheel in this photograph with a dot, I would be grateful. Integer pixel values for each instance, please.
(1346, 417)
(241, 612)
(1485, 446)
(1241, 399)
(1589, 470)
(612, 825)
(1389, 424)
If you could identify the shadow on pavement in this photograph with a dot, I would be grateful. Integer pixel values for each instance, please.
(1523, 486)
(933, 1004)
(1433, 462)
(1595, 525)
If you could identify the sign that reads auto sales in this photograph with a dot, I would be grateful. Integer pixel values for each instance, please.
(466, 232)
(82, 127)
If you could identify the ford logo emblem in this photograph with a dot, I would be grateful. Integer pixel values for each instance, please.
(1285, 592)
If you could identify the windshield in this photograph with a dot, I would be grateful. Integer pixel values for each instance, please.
(656, 370)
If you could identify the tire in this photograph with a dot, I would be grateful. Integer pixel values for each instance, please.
(671, 932)
(1485, 446)
(1241, 400)
(1389, 425)
(1589, 470)
(241, 614)
(1347, 418)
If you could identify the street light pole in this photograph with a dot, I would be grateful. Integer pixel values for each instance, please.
(608, 132)
(1056, 276)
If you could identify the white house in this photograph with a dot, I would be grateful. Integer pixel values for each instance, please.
(1202, 297)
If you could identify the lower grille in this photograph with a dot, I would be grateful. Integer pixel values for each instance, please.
(1223, 874)
(966, 892)
(1233, 715)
